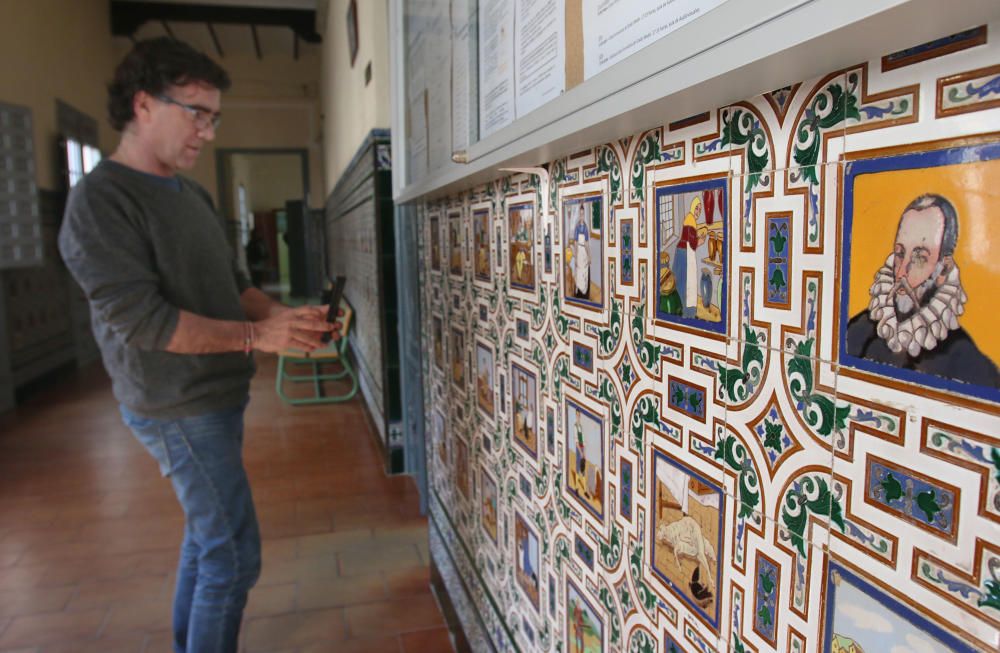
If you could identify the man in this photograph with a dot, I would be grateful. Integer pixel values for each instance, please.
(176, 321)
(916, 300)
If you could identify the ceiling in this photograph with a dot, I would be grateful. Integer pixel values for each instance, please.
(261, 28)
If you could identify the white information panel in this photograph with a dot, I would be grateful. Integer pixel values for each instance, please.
(540, 52)
(496, 65)
(614, 29)
(463, 57)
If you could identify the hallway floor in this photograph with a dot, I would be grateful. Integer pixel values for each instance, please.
(89, 532)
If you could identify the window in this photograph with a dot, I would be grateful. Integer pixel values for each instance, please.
(244, 215)
(79, 138)
(665, 217)
(80, 159)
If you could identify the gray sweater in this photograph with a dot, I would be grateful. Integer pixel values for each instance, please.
(142, 248)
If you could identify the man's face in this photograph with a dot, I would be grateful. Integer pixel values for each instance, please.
(172, 132)
(917, 252)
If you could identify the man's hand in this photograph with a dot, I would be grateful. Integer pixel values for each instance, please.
(299, 328)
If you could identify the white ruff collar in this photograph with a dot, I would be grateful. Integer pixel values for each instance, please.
(928, 326)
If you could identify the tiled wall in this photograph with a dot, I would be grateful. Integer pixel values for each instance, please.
(665, 411)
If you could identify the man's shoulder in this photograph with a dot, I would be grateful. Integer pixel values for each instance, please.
(197, 188)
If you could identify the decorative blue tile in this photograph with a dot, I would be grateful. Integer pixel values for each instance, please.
(625, 499)
(915, 498)
(686, 398)
(583, 357)
(584, 552)
(779, 260)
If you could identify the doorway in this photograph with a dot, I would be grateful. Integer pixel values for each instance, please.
(254, 186)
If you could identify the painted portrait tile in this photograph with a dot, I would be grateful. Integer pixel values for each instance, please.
(440, 433)
(455, 244)
(490, 504)
(438, 338)
(524, 392)
(481, 244)
(920, 266)
(584, 628)
(691, 245)
(526, 559)
(687, 534)
(861, 617)
(462, 467)
(521, 236)
(583, 270)
(435, 244)
(458, 358)
(585, 458)
(484, 378)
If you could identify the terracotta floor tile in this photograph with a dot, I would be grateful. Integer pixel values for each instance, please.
(376, 645)
(280, 548)
(336, 592)
(393, 617)
(90, 530)
(146, 616)
(33, 601)
(103, 593)
(35, 630)
(266, 634)
(331, 543)
(290, 571)
(133, 643)
(435, 640)
(407, 581)
(161, 642)
(376, 559)
(410, 532)
(271, 600)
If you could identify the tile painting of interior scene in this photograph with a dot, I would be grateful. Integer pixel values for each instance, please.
(481, 241)
(484, 378)
(435, 244)
(458, 357)
(860, 618)
(687, 532)
(438, 344)
(523, 387)
(584, 628)
(691, 242)
(441, 437)
(920, 261)
(585, 458)
(462, 466)
(489, 504)
(521, 225)
(526, 562)
(583, 221)
(455, 244)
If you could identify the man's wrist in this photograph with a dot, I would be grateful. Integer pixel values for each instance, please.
(277, 308)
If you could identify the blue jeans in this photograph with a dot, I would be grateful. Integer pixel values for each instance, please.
(220, 555)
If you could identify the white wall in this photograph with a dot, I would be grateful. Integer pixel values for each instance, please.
(350, 108)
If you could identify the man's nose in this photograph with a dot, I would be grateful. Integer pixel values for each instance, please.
(207, 133)
(902, 268)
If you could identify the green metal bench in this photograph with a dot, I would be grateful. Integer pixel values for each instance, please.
(334, 354)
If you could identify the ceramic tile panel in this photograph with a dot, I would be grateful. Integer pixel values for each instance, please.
(730, 383)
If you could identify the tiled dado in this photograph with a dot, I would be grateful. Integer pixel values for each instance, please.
(662, 415)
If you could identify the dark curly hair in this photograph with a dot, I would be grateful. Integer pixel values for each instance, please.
(153, 65)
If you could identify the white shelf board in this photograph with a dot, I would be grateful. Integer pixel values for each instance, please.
(739, 50)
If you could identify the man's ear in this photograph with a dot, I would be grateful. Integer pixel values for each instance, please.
(141, 105)
(947, 264)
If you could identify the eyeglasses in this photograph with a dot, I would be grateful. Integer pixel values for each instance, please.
(203, 118)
